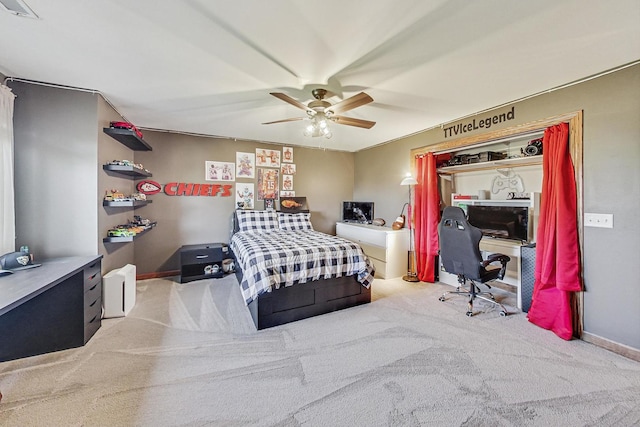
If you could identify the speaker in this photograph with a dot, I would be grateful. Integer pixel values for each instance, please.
(527, 277)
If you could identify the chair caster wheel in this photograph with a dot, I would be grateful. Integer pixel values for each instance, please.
(469, 313)
(503, 314)
(441, 298)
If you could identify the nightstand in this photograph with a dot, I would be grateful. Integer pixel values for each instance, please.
(202, 261)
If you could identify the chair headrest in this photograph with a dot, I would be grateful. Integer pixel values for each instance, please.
(454, 212)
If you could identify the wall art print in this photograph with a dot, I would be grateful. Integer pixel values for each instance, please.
(244, 196)
(267, 158)
(268, 183)
(288, 169)
(219, 171)
(287, 182)
(293, 204)
(287, 194)
(287, 154)
(245, 165)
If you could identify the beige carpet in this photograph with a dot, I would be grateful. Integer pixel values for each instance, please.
(189, 355)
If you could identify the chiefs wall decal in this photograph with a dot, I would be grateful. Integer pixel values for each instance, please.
(184, 189)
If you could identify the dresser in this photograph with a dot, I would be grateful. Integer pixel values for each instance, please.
(53, 307)
(388, 249)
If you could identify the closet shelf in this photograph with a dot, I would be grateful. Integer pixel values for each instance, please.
(495, 164)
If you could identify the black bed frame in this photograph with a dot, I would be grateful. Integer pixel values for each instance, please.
(303, 300)
(300, 301)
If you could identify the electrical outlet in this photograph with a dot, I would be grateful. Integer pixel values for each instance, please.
(598, 220)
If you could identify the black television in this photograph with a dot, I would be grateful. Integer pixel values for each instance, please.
(360, 212)
(505, 222)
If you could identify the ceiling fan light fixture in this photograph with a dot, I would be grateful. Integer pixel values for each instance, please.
(318, 126)
(320, 112)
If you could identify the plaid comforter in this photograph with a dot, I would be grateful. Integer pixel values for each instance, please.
(276, 258)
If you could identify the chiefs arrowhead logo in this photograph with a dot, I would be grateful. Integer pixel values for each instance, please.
(148, 187)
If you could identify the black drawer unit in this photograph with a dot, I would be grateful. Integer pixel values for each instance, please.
(202, 261)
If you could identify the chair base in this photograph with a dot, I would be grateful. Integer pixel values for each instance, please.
(472, 293)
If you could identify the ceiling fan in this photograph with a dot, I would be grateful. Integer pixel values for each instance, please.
(320, 112)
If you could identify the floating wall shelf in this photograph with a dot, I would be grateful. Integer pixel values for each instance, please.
(128, 138)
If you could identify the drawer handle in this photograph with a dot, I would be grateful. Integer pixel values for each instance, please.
(93, 303)
(91, 278)
(94, 319)
(202, 256)
(93, 287)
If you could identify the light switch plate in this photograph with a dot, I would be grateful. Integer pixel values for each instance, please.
(598, 220)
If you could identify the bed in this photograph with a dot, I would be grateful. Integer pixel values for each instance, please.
(287, 271)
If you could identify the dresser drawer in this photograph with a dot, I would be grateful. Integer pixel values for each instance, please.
(91, 271)
(93, 293)
(92, 310)
(362, 235)
(95, 281)
(201, 254)
(381, 268)
(374, 252)
(92, 325)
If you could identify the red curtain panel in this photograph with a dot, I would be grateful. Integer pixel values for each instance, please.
(427, 217)
(557, 272)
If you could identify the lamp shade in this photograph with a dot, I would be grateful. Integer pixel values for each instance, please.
(409, 181)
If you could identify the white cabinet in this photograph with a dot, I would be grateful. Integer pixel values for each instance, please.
(388, 249)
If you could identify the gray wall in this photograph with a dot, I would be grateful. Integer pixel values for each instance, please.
(611, 106)
(324, 177)
(55, 170)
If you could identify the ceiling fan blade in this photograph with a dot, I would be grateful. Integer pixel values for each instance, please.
(290, 100)
(349, 121)
(350, 103)
(285, 120)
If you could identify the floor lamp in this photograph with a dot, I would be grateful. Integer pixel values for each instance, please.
(411, 273)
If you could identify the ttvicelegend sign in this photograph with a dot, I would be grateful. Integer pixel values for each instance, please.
(475, 124)
(184, 189)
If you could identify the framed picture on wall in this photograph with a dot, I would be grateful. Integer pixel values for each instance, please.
(267, 158)
(293, 204)
(269, 204)
(268, 183)
(287, 182)
(245, 165)
(287, 154)
(244, 196)
(219, 171)
(288, 169)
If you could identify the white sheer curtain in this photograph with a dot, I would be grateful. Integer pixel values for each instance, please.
(7, 207)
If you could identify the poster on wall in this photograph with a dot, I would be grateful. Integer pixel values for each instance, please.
(267, 158)
(287, 182)
(267, 183)
(245, 165)
(287, 194)
(219, 171)
(288, 169)
(244, 196)
(287, 154)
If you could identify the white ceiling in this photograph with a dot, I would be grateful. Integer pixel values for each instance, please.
(207, 67)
